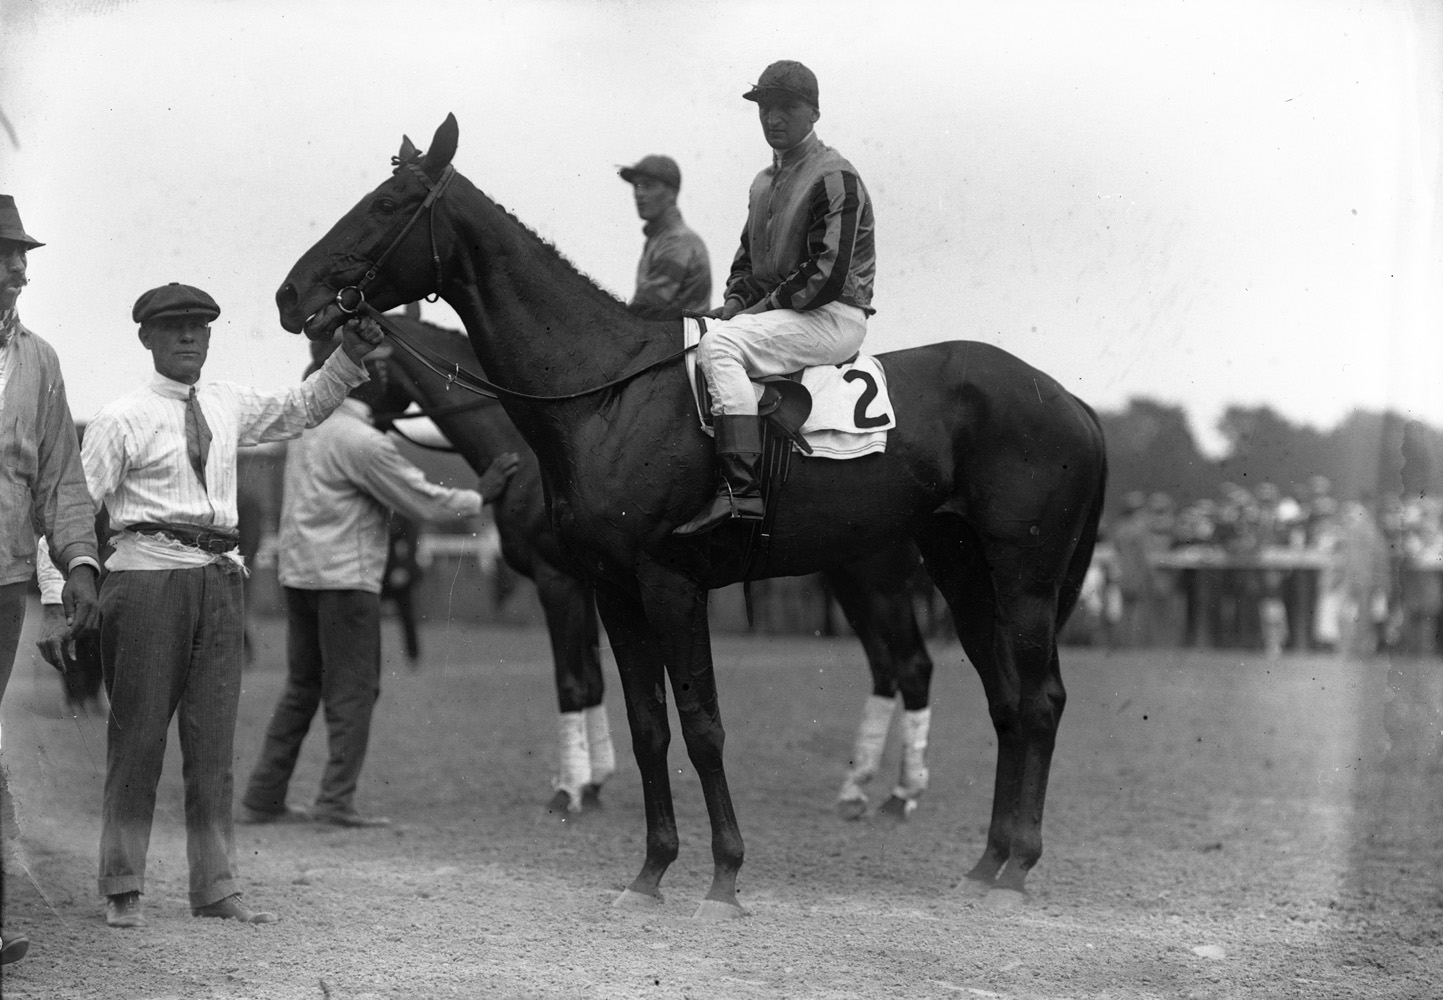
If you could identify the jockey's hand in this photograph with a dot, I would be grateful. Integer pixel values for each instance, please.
(360, 336)
(726, 310)
(497, 475)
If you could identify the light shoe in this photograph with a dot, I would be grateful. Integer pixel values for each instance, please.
(247, 816)
(350, 819)
(231, 908)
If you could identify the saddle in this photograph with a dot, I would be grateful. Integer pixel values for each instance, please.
(785, 405)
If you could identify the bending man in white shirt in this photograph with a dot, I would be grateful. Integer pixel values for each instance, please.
(341, 480)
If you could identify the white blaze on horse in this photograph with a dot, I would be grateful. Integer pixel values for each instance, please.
(993, 470)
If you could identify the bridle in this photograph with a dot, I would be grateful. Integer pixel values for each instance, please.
(351, 300)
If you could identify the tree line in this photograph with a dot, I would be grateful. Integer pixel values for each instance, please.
(1368, 455)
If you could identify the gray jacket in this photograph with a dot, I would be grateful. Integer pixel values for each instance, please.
(42, 484)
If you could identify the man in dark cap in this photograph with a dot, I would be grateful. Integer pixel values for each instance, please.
(800, 288)
(674, 274)
(163, 461)
(39, 461)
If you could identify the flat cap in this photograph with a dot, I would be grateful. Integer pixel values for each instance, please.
(658, 168)
(174, 299)
(786, 76)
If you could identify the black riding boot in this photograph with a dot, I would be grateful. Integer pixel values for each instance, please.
(738, 452)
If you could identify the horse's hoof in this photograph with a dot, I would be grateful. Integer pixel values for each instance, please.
(590, 798)
(897, 808)
(714, 911)
(852, 809)
(977, 887)
(633, 900)
(1005, 899)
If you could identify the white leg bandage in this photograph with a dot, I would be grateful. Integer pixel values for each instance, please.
(914, 754)
(575, 760)
(598, 738)
(867, 753)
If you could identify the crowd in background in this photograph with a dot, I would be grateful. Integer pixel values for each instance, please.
(1271, 569)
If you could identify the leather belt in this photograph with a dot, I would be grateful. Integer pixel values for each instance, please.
(213, 540)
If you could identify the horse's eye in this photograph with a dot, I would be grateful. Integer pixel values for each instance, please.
(385, 205)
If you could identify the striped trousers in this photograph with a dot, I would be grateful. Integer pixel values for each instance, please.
(171, 645)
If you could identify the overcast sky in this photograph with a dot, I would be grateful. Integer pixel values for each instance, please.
(1203, 203)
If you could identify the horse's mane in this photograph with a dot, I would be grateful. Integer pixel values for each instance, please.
(550, 250)
(547, 248)
(413, 158)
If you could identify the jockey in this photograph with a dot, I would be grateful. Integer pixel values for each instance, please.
(800, 288)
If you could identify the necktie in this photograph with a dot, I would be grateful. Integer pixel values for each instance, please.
(197, 436)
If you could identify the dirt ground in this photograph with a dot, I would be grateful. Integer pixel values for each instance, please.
(1218, 826)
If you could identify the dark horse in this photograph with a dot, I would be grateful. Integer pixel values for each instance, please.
(994, 470)
(873, 591)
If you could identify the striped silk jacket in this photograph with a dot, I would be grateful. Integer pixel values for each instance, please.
(808, 239)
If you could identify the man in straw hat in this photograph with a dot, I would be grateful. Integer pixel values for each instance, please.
(163, 461)
(42, 485)
(800, 288)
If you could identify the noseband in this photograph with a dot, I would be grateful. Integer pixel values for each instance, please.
(352, 299)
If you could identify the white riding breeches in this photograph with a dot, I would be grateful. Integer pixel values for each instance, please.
(773, 343)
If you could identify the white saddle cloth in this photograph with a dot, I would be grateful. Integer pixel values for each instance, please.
(851, 411)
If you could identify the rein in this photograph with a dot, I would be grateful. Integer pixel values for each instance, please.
(454, 374)
(351, 300)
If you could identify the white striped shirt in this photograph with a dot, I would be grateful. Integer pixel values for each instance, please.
(136, 462)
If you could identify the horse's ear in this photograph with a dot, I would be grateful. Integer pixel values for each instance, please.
(443, 147)
(408, 150)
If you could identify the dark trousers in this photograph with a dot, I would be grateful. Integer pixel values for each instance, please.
(171, 642)
(12, 617)
(84, 673)
(333, 657)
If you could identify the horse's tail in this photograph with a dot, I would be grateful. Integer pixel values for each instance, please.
(1082, 555)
